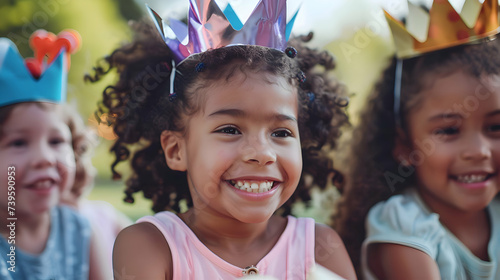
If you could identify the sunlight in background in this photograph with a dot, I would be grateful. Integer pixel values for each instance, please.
(320, 16)
(399, 8)
(355, 31)
(328, 19)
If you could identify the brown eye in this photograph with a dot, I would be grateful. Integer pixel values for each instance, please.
(229, 130)
(282, 133)
(494, 128)
(56, 141)
(18, 143)
(447, 131)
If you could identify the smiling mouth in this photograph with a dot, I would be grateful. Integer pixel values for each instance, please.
(472, 178)
(253, 186)
(42, 184)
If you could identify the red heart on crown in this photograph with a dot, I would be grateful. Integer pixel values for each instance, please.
(34, 67)
(46, 44)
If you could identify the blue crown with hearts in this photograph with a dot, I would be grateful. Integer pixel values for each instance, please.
(42, 78)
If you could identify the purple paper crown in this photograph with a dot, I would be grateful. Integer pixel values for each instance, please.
(210, 28)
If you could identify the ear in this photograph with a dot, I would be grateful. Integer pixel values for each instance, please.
(402, 148)
(173, 146)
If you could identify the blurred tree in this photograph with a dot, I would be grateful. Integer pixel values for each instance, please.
(103, 27)
(129, 9)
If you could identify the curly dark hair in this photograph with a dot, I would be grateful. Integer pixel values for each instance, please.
(140, 109)
(371, 154)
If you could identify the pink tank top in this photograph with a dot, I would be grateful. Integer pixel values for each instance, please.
(291, 258)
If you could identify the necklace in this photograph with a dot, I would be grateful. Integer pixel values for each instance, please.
(250, 270)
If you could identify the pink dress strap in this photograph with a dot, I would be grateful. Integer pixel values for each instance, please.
(292, 257)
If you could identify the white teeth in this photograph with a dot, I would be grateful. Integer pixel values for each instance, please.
(263, 187)
(471, 178)
(44, 184)
(255, 187)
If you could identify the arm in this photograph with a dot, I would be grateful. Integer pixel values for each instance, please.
(141, 252)
(330, 252)
(394, 261)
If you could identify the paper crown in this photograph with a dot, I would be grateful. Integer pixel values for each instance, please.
(210, 28)
(442, 26)
(42, 78)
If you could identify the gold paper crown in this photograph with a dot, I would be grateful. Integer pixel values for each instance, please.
(442, 26)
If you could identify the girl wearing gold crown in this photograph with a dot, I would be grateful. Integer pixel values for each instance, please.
(224, 138)
(425, 172)
(42, 151)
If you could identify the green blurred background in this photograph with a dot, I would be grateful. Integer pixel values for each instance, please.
(353, 30)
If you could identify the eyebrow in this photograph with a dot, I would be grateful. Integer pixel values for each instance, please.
(457, 116)
(444, 116)
(17, 130)
(28, 131)
(241, 114)
(494, 113)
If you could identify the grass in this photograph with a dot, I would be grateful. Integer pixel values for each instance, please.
(112, 192)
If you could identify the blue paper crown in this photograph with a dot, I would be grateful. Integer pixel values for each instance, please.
(17, 84)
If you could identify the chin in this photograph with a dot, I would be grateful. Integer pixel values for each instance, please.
(254, 217)
(474, 206)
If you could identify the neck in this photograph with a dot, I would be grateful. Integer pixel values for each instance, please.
(472, 228)
(221, 231)
(464, 220)
(453, 217)
(241, 244)
(31, 232)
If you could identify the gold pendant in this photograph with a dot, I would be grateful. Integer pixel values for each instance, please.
(250, 270)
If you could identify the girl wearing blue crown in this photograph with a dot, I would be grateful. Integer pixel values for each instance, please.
(41, 152)
(425, 172)
(224, 139)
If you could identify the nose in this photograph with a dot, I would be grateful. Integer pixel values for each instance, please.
(477, 148)
(42, 156)
(258, 149)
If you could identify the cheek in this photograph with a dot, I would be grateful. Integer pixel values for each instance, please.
(210, 159)
(223, 159)
(291, 160)
(14, 162)
(66, 161)
(435, 165)
(496, 151)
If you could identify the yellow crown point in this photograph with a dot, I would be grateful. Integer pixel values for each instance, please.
(443, 27)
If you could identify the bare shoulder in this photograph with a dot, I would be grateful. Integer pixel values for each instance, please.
(330, 252)
(394, 261)
(141, 252)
